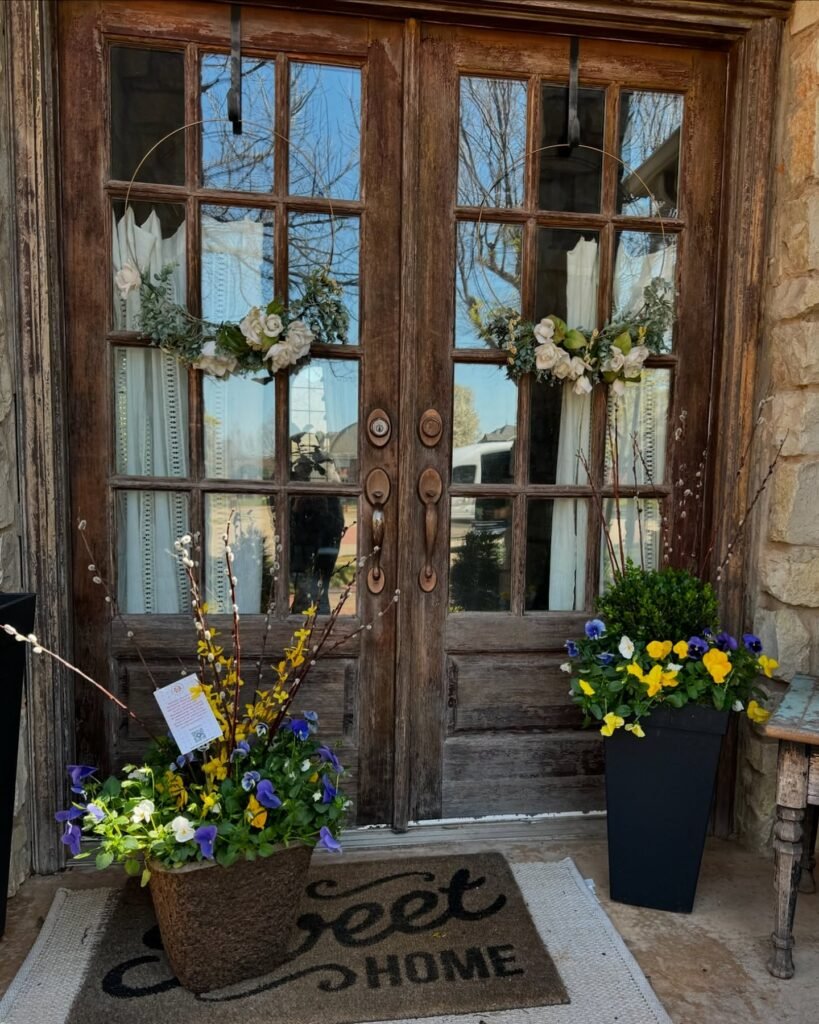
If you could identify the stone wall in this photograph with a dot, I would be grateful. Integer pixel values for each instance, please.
(10, 570)
(784, 592)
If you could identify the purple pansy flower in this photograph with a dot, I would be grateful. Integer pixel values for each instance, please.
(242, 749)
(697, 647)
(71, 837)
(571, 648)
(78, 773)
(327, 755)
(70, 814)
(249, 780)
(95, 811)
(752, 642)
(266, 795)
(726, 642)
(205, 836)
(595, 628)
(299, 727)
(606, 658)
(184, 759)
(326, 840)
(312, 719)
(329, 790)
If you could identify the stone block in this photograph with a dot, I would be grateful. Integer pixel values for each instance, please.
(804, 14)
(793, 352)
(795, 416)
(794, 500)
(786, 638)
(794, 297)
(791, 575)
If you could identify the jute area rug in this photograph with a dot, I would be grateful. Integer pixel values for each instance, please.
(448, 940)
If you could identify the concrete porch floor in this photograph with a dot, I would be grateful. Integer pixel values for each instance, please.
(707, 967)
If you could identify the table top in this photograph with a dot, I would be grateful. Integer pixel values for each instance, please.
(797, 717)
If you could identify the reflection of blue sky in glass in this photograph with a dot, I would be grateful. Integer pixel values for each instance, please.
(313, 237)
(494, 398)
(492, 142)
(487, 274)
(640, 257)
(239, 428)
(649, 145)
(237, 261)
(240, 162)
(325, 130)
(324, 420)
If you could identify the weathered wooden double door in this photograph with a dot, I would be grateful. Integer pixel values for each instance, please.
(427, 165)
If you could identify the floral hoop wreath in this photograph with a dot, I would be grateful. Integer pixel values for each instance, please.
(266, 340)
(557, 353)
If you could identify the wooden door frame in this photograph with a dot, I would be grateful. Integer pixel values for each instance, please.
(749, 31)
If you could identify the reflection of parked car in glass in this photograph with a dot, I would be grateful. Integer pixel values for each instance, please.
(487, 462)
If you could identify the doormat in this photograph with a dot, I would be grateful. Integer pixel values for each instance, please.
(446, 940)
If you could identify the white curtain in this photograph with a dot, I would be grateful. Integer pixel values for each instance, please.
(151, 430)
(567, 570)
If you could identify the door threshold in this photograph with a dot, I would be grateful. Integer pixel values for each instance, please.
(507, 828)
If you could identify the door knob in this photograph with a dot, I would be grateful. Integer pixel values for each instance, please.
(377, 489)
(430, 489)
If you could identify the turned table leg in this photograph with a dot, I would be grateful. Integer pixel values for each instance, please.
(792, 780)
(807, 879)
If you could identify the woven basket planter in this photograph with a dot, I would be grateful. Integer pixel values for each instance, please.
(223, 925)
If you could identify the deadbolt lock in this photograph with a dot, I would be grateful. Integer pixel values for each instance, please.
(379, 428)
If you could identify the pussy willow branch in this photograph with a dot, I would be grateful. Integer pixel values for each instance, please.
(635, 446)
(237, 643)
(615, 476)
(598, 500)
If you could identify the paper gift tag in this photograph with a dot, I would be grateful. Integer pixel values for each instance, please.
(189, 716)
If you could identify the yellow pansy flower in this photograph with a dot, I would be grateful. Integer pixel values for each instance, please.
(767, 665)
(669, 678)
(635, 670)
(612, 722)
(658, 649)
(757, 713)
(681, 648)
(636, 730)
(717, 664)
(654, 680)
(586, 687)
(256, 814)
(216, 768)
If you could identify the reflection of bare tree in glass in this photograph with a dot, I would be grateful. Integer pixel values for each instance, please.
(465, 421)
(650, 145)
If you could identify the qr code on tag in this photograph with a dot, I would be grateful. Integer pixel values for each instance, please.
(198, 735)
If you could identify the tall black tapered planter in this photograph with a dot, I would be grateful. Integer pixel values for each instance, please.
(658, 798)
(18, 611)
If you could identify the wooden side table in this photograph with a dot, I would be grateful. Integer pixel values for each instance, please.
(795, 724)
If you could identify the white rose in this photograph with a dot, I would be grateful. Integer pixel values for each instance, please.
(633, 363)
(143, 811)
(252, 327)
(582, 386)
(577, 368)
(273, 326)
(615, 361)
(182, 830)
(563, 366)
(127, 279)
(280, 355)
(545, 330)
(300, 338)
(618, 388)
(546, 355)
(626, 647)
(213, 362)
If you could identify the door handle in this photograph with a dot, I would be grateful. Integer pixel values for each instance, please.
(430, 489)
(377, 490)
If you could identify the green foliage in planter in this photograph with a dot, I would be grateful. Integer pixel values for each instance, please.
(645, 604)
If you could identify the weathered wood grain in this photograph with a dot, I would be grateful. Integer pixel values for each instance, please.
(797, 716)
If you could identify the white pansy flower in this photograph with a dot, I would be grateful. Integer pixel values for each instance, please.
(299, 337)
(545, 330)
(143, 811)
(182, 830)
(305, 765)
(671, 667)
(546, 355)
(252, 327)
(272, 326)
(216, 809)
(563, 366)
(633, 363)
(566, 667)
(127, 279)
(213, 362)
(737, 706)
(626, 647)
(582, 386)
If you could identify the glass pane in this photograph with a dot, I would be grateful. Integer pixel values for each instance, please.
(487, 276)
(324, 421)
(243, 162)
(323, 551)
(147, 102)
(650, 148)
(325, 130)
(254, 543)
(492, 146)
(148, 237)
(638, 423)
(240, 428)
(640, 257)
(640, 528)
(559, 427)
(570, 178)
(567, 274)
(556, 536)
(151, 413)
(317, 240)
(150, 579)
(237, 261)
(480, 535)
(484, 425)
